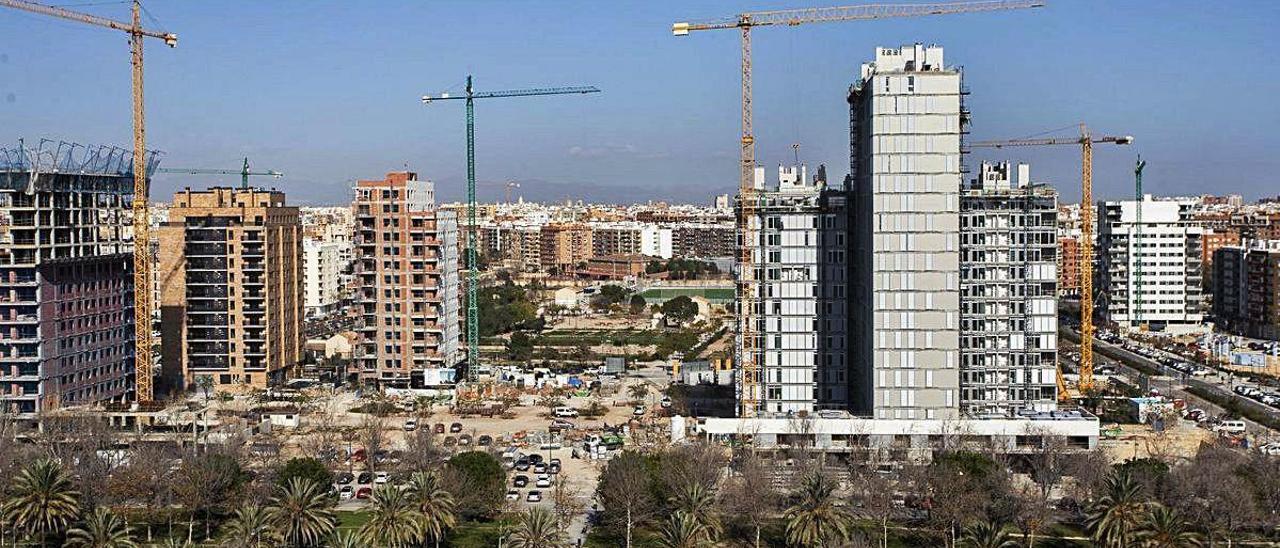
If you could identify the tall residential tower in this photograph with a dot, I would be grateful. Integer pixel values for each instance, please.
(905, 123)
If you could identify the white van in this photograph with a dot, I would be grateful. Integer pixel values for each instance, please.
(564, 411)
(1232, 427)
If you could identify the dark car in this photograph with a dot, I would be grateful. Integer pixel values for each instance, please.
(535, 458)
(464, 439)
(484, 441)
(455, 427)
(553, 467)
(450, 441)
(365, 477)
(345, 478)
(439, 428)
(520, 481)
(522, 464)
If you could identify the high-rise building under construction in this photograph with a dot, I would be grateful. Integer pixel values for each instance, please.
(66, 276)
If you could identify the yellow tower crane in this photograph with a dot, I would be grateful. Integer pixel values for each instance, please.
(1085, 141)
(748, 283)
(143, 389)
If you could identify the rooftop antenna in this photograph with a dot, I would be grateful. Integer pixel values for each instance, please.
(795, 149)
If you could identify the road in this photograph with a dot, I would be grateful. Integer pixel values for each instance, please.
(1174, 383)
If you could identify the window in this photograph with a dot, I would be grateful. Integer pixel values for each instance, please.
(911, 83)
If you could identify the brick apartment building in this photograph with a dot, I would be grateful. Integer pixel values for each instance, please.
(231, 292)
(565, 246)
(1069, 266)
(1246, 288)
(406, 253)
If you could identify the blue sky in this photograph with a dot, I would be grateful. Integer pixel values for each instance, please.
(327, 91)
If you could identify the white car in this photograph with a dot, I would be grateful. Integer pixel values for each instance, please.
(513, 495)
(543, 481)
(534, 496)
(381, 478)
(346, 492)
(639, 411)
(410, 425)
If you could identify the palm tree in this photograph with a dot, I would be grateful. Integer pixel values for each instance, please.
(302, 512)
(348, 540)
(986, 534)
(42, 500)
(1117, 515)
(394, 522)
(537, 529)
(1164, 528)
(814, 519)
(101, 529)
(434, 504)
(681, 530)
(699, 503)
(252, 526)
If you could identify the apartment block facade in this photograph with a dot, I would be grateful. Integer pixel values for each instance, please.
(231, 288)
(407, 271)
(1150, 276)
(801, 319)
(66, 277)
(565, 246)
(905, 112)
(322, 275)
(703, 240)
(1008, 293)
(1246, 288)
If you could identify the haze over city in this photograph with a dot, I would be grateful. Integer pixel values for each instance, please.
(328, 92)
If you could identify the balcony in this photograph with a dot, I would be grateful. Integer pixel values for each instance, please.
(197, 249)
(206, 263)
(208, 348)
(207, 305)
(207, 292)
(207, 278)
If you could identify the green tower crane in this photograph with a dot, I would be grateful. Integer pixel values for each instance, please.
(244, 172)
(1135, 244)
(473, 276)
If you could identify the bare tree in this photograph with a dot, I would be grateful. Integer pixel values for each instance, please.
(1088, 473)
(750, 495)
(872, 488)
(421, 452)
(1211, 492)
(625, 492)
(699, 463)
(565, 502)
(373, 434)
(146, 481)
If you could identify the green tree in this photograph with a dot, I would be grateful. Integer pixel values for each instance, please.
(520, 347)
(251, 526)
(303, 513)
(813, 518)
(101, 529)
(434, 504)
(986, 534)
(680, 309)
(537, 529)
(306, 468)
(1164, 528)
(42, 500)
(1116, 516)
(477, 482)
(393, 522)
(345, 540)
(683, 531)
(698, 502)
(637, 304)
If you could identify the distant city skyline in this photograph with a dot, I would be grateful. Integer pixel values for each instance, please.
(329, 95)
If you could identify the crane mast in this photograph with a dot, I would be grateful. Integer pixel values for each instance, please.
(1085, 141)
(747, 351)
(143, 389)
(473, 275)
(1135, 243)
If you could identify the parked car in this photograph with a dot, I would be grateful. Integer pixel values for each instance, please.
(513, 495)
(520, 481)
(464, 439)
(345, 478)
(522, 464)
(535, 458)
(381, 478)
(364, 493)
(360, 455)
(1231, 427)
(346, 492)
(450, 441)
(565, 411)
(639, 411)
(410, 425)
(484, 441)
(666, 401)
(455, 427)
(534, 496)
(365, 477)
(439, 428)
(543, 481)
(554, 466)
